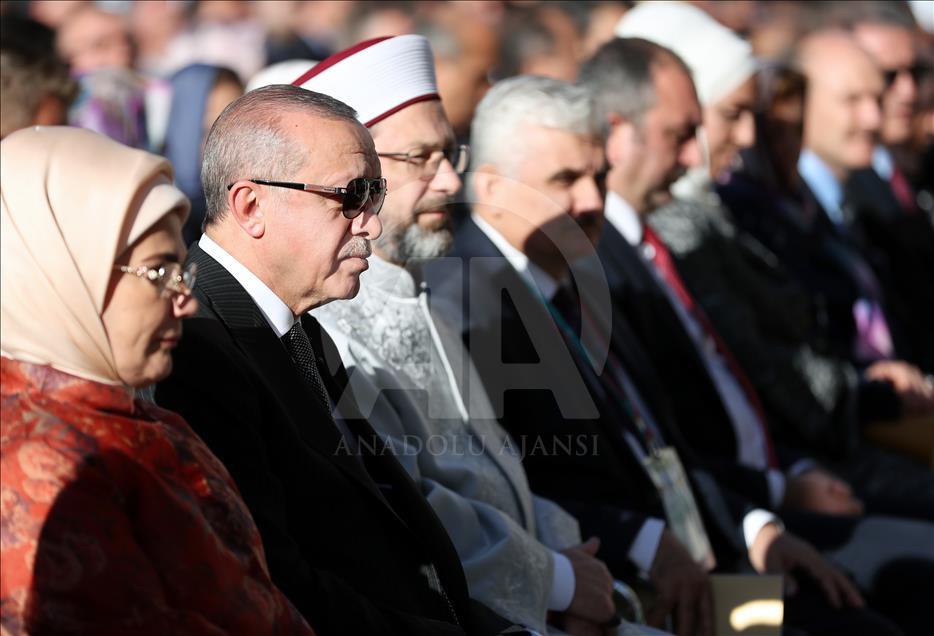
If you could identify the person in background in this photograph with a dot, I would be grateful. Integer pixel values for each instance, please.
(200, 93)
(116, 517)
(465, 50)
(842, 122)
(35, 86)
(90, 39)
(887, 32)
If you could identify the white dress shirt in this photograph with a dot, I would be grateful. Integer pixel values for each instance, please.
(273, 308)
(276, 312)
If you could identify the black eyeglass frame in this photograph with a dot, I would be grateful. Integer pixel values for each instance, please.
(375, 185)
(458, 156)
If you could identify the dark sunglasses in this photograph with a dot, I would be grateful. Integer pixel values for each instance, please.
(359, 193)
(916, 71)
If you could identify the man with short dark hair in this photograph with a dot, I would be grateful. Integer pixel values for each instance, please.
(293, 191)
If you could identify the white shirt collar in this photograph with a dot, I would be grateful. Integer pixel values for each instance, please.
(822, 183)
(883, 163)
(624, 218)
(276, 312)
(529, 271)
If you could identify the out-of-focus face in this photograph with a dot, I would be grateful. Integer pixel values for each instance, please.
(221, 94)
(782, 130)
(843, 115)
(462, 83)
(415, 216)
(310, 253)
(93, 39)
(143, 325)
(892, 48)
(647, 157)
(563, 60)
(730, 127)
(550, 206)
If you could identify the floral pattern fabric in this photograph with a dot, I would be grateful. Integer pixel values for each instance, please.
(115, 518)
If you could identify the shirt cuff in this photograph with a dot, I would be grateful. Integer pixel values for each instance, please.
(643, 549)
(800, 467)
(776, 481)
(754, 521)
(562, 584)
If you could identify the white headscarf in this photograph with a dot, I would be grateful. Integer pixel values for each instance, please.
(71, 201)
(720, 61)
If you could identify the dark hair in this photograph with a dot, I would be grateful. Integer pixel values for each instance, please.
(619, 75)
(30, 71)
(889, 13)
(246, 140)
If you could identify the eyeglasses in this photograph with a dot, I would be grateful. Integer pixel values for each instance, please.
(430, 160)
(355, 197)
(916, 71)
(170, 279)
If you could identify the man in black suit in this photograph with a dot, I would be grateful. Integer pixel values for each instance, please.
(843, 121)
(558, 374)
(347, 535)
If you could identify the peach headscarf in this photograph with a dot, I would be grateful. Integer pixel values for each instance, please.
(71, 202)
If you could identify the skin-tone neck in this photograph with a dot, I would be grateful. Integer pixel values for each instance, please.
(243, 248)
(556, 269)
(616, 183)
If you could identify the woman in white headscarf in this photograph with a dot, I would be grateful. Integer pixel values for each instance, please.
(116, 518)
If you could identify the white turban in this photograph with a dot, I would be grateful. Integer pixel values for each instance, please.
(378, 77)
(718, 58)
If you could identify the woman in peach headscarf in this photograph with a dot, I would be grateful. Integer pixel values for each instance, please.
(115, 517)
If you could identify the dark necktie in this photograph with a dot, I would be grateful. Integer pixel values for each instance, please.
(614, 382)
(296, 341)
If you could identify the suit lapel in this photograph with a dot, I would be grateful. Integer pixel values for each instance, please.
(219, 291)
(406, 495)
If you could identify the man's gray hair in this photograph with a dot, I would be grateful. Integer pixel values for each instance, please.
(619, 75)
(247, 142)
(527, 100)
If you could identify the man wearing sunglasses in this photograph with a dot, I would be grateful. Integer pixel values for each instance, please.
(886, 194)
(522, 554)
(293, 190)
(886, 32)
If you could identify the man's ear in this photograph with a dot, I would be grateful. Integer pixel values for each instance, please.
(622, 135)
(486, 182)
(244, 205)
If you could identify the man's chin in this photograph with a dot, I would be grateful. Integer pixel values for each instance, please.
(658, 199)
(433, 220)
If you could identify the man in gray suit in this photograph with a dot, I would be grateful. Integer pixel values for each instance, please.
(409, 373)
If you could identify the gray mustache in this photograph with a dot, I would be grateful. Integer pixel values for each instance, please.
(356, 248)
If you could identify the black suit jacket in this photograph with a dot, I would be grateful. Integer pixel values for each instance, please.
(695, 401)
(547, 395)
(349, 539)
(900, 246)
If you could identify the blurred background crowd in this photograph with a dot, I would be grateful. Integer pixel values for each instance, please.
(122, 68)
